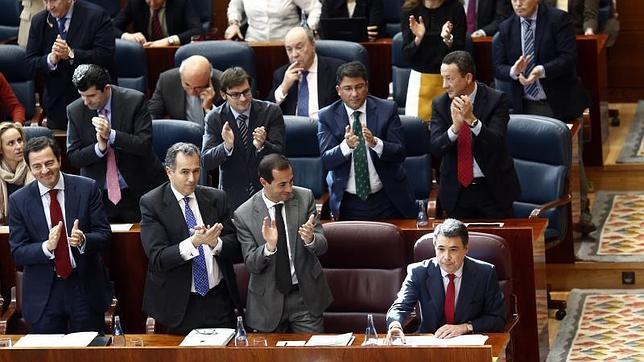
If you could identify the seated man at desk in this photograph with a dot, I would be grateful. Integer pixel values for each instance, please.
(457, 294)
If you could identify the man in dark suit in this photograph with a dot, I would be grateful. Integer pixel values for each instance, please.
(282, 238)
(457, 294)
(110, 140)
(58, 232)
(238, 134)
(372, 10)
(361, 146)
(157, 23)
(191, 245)
(486, 16)
(536, 51)
(187, 92)
(307, 83)
(68, 33)
(468, 132)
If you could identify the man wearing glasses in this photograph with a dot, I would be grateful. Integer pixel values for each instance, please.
(361, 145)
(187, 92)
(239, 133)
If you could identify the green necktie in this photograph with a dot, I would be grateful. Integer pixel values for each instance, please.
(361, 169)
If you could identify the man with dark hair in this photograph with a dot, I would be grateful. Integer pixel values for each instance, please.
(110, 140)
(68, 33)
(187, 92)
(307, 83)
(361, 146)
(468, 133)
(58, 233)
(238, 134)
(157, 23)
(282, 238)
(457, 294)
(191, 245)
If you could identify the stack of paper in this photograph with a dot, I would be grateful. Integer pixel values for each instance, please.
(331, 340)
(79, 339)
(208, 337)
(464, 340)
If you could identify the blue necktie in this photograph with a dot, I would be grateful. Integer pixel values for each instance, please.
(528, 42)
(199, 271)
(61, 28)
(303, 96)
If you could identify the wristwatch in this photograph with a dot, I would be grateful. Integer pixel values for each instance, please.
(474, 124)
(171, 40)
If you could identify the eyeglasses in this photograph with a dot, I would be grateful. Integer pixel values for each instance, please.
(236, 95)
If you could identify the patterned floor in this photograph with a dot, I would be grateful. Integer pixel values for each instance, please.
(601, 325)
(620, 220)
(633, 150)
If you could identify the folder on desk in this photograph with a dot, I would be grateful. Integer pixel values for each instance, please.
(208, 337)
(78, 339)
(339, 340)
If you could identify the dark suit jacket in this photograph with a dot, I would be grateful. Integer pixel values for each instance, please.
(265, 303)
(90, 35)
(384, 123)
(555, 49)
(370, 9)
(169, 98)
(480, 299)
(327, 94)
(28, 225)
(240, 168)
(169, 277)
(584, 13)
(135, 159)
(180, 18)
(489, 14)
(489, 149)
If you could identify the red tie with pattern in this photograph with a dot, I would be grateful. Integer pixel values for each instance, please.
(464, 153)
(471, 16)
(111, 171)
(156, 26)
(450, 295)
(61, 253)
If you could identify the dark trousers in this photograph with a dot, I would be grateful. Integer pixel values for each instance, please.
(476, 202)
(376, 207)
(296, 318)
(213, 310)
(68, 310)
(126, 211)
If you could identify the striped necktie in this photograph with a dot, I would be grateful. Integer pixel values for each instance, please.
(531, 89)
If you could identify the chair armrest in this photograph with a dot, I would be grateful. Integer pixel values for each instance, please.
(9, 313)
(109, 316)
(539, 210)
(515, 315)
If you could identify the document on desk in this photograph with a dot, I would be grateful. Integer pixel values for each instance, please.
(121, 228)
(338, 340)
(78, 339)
(464, 340)
(208, 337)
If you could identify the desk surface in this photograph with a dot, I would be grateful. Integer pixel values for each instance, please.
(165, 347)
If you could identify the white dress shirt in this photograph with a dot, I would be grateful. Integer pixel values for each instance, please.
(188, 251)
(312, 82)
(457, 281)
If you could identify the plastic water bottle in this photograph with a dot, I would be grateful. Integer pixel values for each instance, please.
(421, 218)
(370, 334)
(241, 339)
(118, 337)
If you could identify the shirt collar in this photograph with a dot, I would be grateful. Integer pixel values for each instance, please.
(362, 109)
(178, 195)
(108, 106)
(236, 114)
(68, 15)
(314, 65)
(269, 203)
(473, 94)
(533, 17)
(458, 273)
(60, 185)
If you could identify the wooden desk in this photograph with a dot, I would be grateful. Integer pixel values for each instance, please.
(166, 348)
(128, 264)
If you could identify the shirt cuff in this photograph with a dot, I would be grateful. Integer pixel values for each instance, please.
(395, 324)
(309, 245)
(228, 152)
(81, 249)
(98, 151)
(542, 71)
(176, 40)
(513, 73)
(477, 129)
(449, 40)
(268, 252)
(48, 253)
(279, 95)
(51, 65)
(112, 137)
(187, 250)
(451, 135)
(344, 147)
(217, 249)
(378, 147)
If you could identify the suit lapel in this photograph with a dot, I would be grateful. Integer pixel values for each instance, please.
(436, 289)
(292, 207)
(206, 207)
(542, 19)
(71, 204)
(372, 118)
(518, 49)
(75, 24)
(174, 210)
(465, 292)
(39, 218)
(480, 103)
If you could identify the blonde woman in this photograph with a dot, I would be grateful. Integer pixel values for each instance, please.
(430, 29)
(14, 172)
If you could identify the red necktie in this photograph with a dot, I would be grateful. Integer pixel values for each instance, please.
(111, 171)
(63, 263)
(471, 16)
(464, 153)
(450, 295)
(156, 26)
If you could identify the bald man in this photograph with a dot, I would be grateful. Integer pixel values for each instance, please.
(187, 92)
(307, 83)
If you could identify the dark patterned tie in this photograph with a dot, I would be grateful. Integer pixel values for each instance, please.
(528, 43)
(450, 295)
(61, 253)
(360, 165)
(303, 96)
(243, 130)
(464, 156)
(282, 264)
(157, 33)
(471, 16)
(199, 270)
(61, 28)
